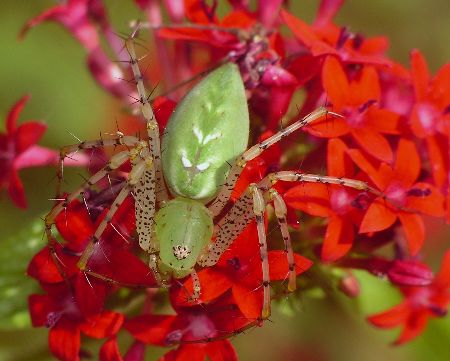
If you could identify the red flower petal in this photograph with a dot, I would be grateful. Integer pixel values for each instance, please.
(338, 239)
(14, 113)
(28, 134)
(221, 351)
(391, 318)
(373, 143)
(366, 88)
(16, 190)
(313, 198)
(122, 266)
(74, 16)
(431, 202)
(196, 11)
(75, 225)
(407, 162)
(420, 74)
(367, 167)
(442, 278)
(414, 326)
(64, 341)
(104, 325)
(382, 120)
(306, 35)
(279, 267)
(329, 128)
(151, 329)
(163, 108)
(335, 83)
(107, 74)
(37, 156)
(327, 11)
(440, 87)
(213, 283)
(43, 268)
(110, 351)
(377, 218)
(40, 306)
(268, 11)
(338, 163)
(195, 352)
(414, 229)
(90, 294)
(249, 301)
(436, 153)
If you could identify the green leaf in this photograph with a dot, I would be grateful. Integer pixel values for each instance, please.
(15, 286)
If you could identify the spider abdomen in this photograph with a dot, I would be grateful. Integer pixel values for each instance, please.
(208, 131)
(183, 228)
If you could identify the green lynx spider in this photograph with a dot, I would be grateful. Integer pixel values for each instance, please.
(208, 131)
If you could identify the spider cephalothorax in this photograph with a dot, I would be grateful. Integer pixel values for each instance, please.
(192, 222)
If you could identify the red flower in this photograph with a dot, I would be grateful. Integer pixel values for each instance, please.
(325, 38)
(18, 150)
(58, 311)
(420, 304)
(239, 269)
(343, 206)
(80, 17)
(401, 272)
(111, 253)
(357, 101)
(258, 51)
(430, 118)
(193, 324)
(404, 195)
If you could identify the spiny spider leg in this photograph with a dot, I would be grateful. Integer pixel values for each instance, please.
(259, 207)
(121, 139)
(115, 162)
(237, 220)
(280, 213)
(149, 116)
(224, 195)
(228, 228)
(142, 163)
(292, 176)
(234, 222)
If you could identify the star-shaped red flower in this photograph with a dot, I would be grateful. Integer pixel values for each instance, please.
(420, 304)
(19, 149)
(403, 197)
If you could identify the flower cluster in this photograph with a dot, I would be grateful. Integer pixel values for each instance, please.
(394, 134)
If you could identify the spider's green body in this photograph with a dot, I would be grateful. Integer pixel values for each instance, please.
(207, 132)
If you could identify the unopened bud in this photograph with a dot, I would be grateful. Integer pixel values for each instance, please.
(349, 285)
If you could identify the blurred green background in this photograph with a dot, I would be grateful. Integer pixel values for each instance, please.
(50, 66)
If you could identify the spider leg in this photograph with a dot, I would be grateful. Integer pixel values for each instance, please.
(152, 124)
(224, 195)
(139, 168)
(228, 228)
(280, 213)
(65, 152)
(197, 287)
(259, 207)
(292, 176)
(250, 205)
(115, 162)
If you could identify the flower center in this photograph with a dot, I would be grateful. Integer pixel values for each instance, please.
(340, 201)
(427, 115)
(396, 192)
